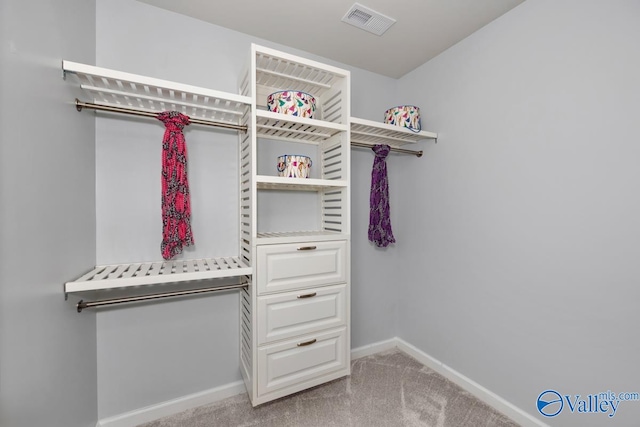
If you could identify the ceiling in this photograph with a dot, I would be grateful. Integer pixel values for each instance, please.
(424, 28)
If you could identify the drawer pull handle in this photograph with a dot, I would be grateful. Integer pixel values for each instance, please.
(306, 248)
(307, 295)
(302, 344)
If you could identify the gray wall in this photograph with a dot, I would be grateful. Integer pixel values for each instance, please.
(161, 351)
(47, 216)
(515, 262)
(523, 230)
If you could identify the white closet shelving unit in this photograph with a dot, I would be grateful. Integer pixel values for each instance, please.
(295, 308)
(295, 328)
(135, 93)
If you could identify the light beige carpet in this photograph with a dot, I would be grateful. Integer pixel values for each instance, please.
(386, 389)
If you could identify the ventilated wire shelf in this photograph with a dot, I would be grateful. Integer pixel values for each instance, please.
(373, 133)
(277, 70)
(135, 92)
(264, 182)
(276, 237)
(298, 129)
(151, 273)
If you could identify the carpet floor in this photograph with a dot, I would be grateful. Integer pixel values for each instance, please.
(386, 389)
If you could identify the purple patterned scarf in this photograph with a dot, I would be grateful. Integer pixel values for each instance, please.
(379, 218)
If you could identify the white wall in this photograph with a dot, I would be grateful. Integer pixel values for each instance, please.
(523, 227)
(47, 216)
(161, 351)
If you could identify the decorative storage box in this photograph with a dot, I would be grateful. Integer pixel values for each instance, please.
(292, 102)
(404, 115)
(294, 166)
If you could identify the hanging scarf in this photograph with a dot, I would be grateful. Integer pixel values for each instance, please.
(379, 216)
(176, 204)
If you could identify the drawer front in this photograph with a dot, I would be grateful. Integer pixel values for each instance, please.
(290, 314)
(297, 361)
(296, 266)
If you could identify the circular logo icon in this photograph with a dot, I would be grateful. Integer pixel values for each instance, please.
(550, 403)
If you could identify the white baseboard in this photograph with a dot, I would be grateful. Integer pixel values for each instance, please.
(377, 347)
(153, 412)
(516, 414)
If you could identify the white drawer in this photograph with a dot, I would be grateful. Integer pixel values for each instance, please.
(289, 314)
(298, 363)
(296, 266)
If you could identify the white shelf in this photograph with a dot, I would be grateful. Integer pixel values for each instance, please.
(298, 236)
(280, 70)
(373, 133)
(152, 273)
(132, 91)
(292, 128)
(265, 182)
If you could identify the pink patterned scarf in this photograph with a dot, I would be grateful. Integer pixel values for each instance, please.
(176, 204)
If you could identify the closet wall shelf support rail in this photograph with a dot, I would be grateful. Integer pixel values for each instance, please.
(99, 303)
(80, 105)
(394, 149)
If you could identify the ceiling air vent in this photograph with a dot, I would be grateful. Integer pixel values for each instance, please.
(368, 19)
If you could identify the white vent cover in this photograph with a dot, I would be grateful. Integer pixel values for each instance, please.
(368, 19)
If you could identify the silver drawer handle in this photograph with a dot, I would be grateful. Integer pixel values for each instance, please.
(307, 295)
(306, 248)
(302, 344)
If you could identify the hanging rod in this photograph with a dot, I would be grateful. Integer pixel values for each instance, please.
(90, 304)
(394, 149)
(80, 105)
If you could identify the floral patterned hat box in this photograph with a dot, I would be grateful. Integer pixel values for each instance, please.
(294, 103)
(294, 166)
(404, 115)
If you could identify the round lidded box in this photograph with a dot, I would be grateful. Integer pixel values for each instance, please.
(404, 115)
(292, 102)
(294, 166)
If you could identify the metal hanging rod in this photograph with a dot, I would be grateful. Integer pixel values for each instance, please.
(394, 149)
(91, 304)
(80, 105)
